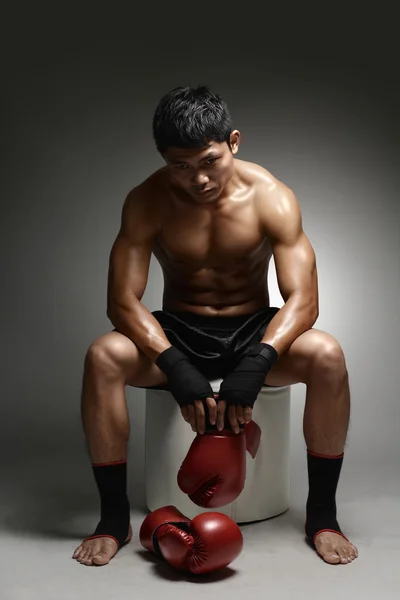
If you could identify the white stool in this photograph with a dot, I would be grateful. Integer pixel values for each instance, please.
(168, 438)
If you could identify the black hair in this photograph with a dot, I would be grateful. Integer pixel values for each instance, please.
(188, 117)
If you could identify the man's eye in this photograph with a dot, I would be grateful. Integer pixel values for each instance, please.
(181, 167)
(211, 161)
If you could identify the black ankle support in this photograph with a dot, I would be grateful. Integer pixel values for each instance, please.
(111, 481)
(323, 477)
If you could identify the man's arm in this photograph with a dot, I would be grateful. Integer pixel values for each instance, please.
(295, 265)
(128, 273)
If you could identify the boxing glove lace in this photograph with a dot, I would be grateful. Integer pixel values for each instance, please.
(209, 542)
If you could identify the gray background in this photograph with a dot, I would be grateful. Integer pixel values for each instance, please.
(76, 136)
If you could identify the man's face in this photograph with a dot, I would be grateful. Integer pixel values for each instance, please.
(202, 173)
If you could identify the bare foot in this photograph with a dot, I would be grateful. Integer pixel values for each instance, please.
(334, 548)
(98, 551)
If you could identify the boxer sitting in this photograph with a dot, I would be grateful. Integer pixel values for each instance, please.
(213, 222)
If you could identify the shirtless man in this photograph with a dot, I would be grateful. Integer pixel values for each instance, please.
(213, 222)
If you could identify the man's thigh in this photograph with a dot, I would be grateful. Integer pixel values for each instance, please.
(294, 366)
(136, 368)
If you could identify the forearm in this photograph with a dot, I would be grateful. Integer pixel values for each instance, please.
(295, 317)
(133, 319)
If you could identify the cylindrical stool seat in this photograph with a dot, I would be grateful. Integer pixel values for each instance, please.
(168, 438)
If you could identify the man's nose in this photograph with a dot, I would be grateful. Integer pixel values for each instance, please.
(200, 179)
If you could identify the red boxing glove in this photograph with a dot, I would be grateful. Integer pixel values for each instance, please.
(209, 542)
(214, 470)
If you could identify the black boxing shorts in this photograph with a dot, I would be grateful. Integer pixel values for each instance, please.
(214, 344)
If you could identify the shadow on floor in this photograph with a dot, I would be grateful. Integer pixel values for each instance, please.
(53, 499)
(56, 497)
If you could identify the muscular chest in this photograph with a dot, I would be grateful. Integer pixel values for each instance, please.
(211, 240)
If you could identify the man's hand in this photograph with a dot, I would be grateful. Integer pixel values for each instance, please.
(239, 389)
(186, 383)
(236, 415)
(195, 414)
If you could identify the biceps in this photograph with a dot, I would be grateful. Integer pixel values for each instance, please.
(296, 269)
(128, 269)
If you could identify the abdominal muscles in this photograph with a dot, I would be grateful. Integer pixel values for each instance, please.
(216, 280)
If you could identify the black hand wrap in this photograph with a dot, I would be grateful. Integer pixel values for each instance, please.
(242, 386)
(186, 383)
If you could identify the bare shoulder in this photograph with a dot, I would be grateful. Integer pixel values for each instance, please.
(142, 210)
(275, 202)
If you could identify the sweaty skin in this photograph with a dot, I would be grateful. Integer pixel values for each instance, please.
(215, 256)
(214, 250)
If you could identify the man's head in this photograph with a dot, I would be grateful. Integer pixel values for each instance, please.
(192, 129)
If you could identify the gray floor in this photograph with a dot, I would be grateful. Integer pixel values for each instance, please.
(42, 520)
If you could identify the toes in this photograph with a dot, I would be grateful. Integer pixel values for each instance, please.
(352, 553)
(348, 555)
(77, 552)
(327, 552)
(331, 557)
(96, 552)
(334, 550)
(87, 559)
(84, 558)
(81, 554)
(344, 559)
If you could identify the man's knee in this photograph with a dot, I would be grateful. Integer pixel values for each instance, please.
(110, 354)
(328, 355)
